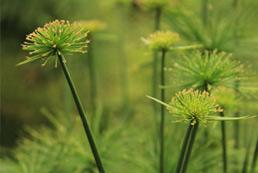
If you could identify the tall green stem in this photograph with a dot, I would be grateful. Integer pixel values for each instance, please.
(204, 12)
(162, 109)
(254, 160)
(93, 78)
(183, 149)
(236, 123)
(157, 19)
(81, 113)
(187, 147)
(235, 3)
(224, 144)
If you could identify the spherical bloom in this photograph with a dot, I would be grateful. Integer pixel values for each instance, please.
(192, 104)
(91, 25)
(202, 70)
(54, 37)
(154, 4)
(161, 40)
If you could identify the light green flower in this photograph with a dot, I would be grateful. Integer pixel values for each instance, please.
(54, 37)
(161, 40)
(193, 104)
(202, 70)
(91, 25)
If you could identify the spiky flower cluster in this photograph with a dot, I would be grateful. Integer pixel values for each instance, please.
(54, 37)
(154, 4)
(194, 105)
(91, 25)
(161, 40)
(202, 70)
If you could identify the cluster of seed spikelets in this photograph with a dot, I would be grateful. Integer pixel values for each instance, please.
(91, 25)
(193, 105)
(161, 40)
(54, 37)
(211, 68)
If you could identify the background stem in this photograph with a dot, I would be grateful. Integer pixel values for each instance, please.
(93, 78)
(254, 160)
(224, 144)
(162, 109)
(82, 114)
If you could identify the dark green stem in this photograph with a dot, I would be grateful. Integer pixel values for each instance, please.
(235, 3)
(124, 82)
(162, 109)
(93, 78)
(158, 13)
(254, 160)
(246, 160)
(224, 144)
(204, 12)
(183, 148)
(81, 113)
(157, 19)
(236, 123)
(190, 146)
(187, 146)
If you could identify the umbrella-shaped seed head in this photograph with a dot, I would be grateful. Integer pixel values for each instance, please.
(193, 105)
(202, 70)
(91, 25)
(55, 37)
(161, 40)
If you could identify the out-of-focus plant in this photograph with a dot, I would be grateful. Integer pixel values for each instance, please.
(93, 27)
(57, 39)
(206, 70)
(162, 41)
(195, 107)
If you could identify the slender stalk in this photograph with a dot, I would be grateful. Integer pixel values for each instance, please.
(187, 146)
(236, 123)
(246, 160)
(82, 114)
(235, 3)
(124, 82)
(183, 148)
(254, 160)
(204, 12)
(157, 20)
(162, 109)
(190, 147)
(93, 78)
(224, 144)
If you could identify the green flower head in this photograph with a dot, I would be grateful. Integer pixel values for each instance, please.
(154, 4)
(91, 25)
(54, 37)
(193, 105)
(202, 70)
(161, 40)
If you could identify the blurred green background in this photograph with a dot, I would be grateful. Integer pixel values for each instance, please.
(123, 64)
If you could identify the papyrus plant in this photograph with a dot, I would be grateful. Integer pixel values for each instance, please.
(195, 107)
(52, 42)
(161, 42)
